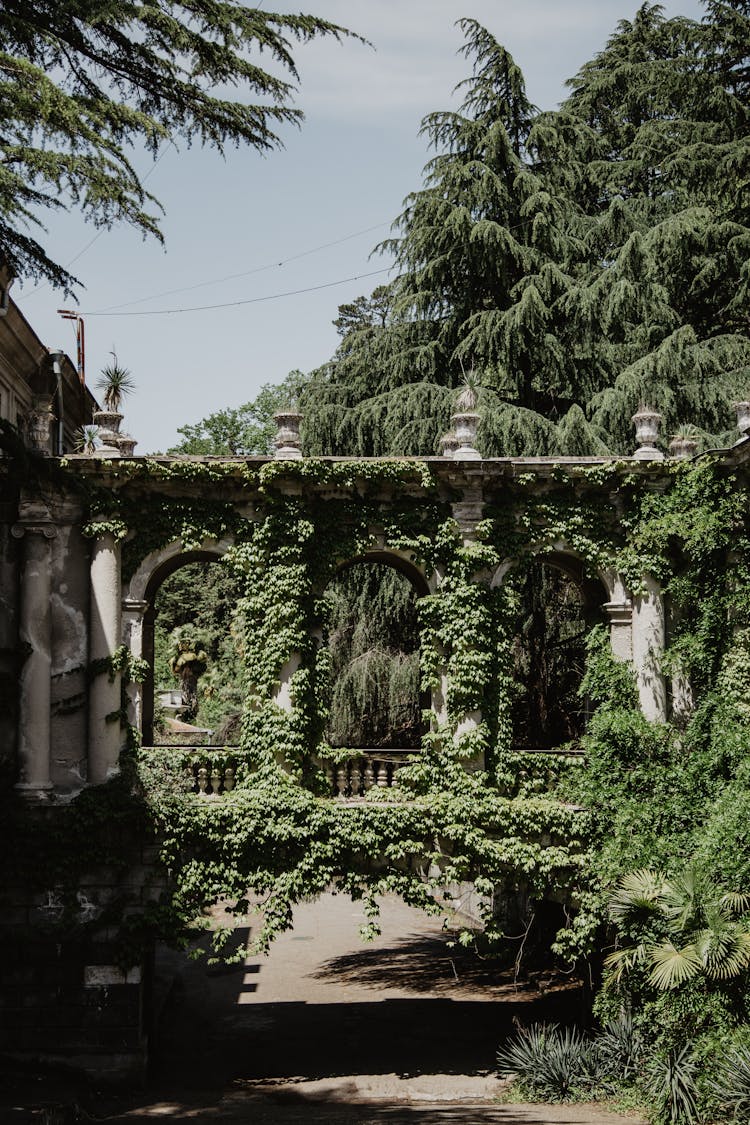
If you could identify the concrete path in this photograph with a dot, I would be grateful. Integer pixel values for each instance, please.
(327, 1029)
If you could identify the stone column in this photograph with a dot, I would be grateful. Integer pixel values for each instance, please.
(35, 635)
(649, 637)
(467, 512)
(133, 612)
(105, 740)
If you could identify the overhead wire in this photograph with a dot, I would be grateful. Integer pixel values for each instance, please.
(245, 301)
(244, 273)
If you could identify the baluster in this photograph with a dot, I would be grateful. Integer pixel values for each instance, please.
(202, 780)
(228, 779)
(215, 780)
(395, 767)
(369, 774)
(341, 780)
(356, 779)
(382, 775)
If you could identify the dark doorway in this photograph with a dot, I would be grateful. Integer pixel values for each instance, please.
(559, 605)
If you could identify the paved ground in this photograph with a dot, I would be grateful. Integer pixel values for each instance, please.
(325, 1029)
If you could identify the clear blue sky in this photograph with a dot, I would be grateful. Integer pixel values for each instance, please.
(355, 158)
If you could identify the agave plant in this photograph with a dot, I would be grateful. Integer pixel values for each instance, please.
(468, 395)
(115, 382)
(550, 1062)
(731, 1084)
(86, 439)
(703, 926)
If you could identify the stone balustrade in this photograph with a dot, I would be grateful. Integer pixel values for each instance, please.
(371, 769)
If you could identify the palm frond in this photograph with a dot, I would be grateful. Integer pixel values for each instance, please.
(672, 966)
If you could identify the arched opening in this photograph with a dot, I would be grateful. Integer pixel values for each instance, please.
(372, 636)
(558, 605)
(192, 694)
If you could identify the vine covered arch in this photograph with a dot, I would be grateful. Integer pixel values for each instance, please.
(139, 614)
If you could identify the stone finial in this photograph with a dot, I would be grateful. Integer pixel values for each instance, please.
(743, 417)
(647, 422)
(448, 444)
(287, 443)
(39, 424)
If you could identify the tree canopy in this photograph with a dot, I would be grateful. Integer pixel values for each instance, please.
(581, 261)
(81, 82)
(242, 430)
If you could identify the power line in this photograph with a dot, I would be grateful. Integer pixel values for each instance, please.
(246, 301)
(245, 273)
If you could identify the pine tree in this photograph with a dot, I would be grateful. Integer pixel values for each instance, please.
(583, 260)
(80, 82)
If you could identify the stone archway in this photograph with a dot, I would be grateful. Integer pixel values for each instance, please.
(139, 615)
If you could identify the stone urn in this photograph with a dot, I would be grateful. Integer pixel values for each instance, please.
(287, 443)
(39, 424)
(108, 423)
(682, 448)
(743, 417)
(465, 426)
(126, 444)
(448, 444)
(647, 422)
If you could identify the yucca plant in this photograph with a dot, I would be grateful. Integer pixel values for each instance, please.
(551, 1063)
(670, 1083)
(116, 383)
(188, 662)
(704, 928)
(731, 1085)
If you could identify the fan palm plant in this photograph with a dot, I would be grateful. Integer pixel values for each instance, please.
(115, 382)
(703, 929)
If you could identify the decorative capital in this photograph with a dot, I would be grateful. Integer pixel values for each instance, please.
(48, 530)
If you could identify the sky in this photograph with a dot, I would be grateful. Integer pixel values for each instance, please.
(247, 228)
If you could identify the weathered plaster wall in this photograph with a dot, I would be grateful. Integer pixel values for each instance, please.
(70, 656)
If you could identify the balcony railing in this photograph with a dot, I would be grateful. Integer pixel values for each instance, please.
(212, 773)
(371, 769)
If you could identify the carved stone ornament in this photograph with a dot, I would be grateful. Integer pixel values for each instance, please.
(39, 424)
(287, 443)
(743, 417)
(647, 422)
(465, 426)
(48, 530)
(683, 448)
(448, 444)
(108, 424)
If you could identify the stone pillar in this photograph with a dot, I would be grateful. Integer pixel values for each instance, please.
(649, 637)
(35, 636)
(620, 616)
(105, 739)
(283, 695)
(133, 613)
